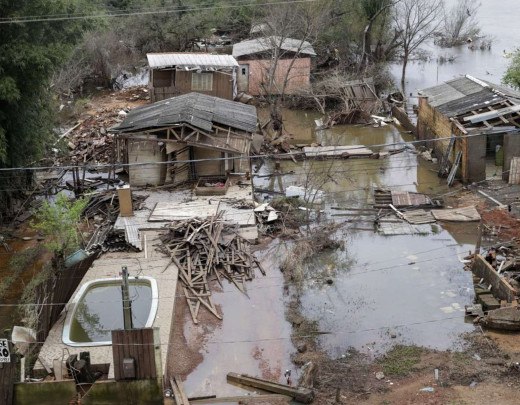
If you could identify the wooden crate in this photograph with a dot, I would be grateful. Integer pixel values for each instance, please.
(202, 189)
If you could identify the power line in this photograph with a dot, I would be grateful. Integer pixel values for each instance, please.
(17, 20)
(351, 332)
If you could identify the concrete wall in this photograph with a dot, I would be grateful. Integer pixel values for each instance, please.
(403, 118)
(511, 149)
(500, 288)
(144, 152)
(139, 392)
(107, 392)
(45, 393)
(298, 79)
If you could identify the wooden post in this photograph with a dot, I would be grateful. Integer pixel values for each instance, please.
(479, 237)
(127, 303)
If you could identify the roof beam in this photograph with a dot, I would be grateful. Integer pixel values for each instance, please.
(475, 119)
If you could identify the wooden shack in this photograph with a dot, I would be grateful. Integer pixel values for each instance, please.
(255, 58)
(173, 74)
(474, 124)
(185, 138)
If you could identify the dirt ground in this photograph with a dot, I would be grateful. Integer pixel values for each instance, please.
(481, 374)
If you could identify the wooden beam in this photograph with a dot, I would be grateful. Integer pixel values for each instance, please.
(303, 395)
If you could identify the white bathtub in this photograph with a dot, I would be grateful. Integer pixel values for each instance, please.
(73, 306)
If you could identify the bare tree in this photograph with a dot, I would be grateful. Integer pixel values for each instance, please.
(416, 21)
(372, 10)
(460, 23)
(288, 31)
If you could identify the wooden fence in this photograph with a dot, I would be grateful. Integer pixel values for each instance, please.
(53, 294)
(139, 345)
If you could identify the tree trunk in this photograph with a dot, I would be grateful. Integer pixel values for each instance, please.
(403, 73)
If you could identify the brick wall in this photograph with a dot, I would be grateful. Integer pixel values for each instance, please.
(299, 75)
(431, 124)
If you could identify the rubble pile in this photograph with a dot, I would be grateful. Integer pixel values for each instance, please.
(89, 141)
(103, 209)
(202, 249)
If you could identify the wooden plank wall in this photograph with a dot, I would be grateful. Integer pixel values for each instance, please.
(138, 344)
(222, 84)
(8, 376)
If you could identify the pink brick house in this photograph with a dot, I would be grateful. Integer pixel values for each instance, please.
(255, 58)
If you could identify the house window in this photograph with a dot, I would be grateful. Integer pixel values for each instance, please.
(163, 78)
(202, 81)
(243, 71)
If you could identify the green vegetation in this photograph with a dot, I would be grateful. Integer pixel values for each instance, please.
(401, 360)
(17, 265)
(29, 53)
(512, 76)
(59, 221)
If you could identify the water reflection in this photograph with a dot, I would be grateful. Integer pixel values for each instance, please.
(407, 289)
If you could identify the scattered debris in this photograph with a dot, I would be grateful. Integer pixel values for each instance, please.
(205, 248)
(464, 214)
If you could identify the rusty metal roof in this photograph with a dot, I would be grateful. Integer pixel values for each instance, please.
(186, 60)
(265, 44)
(199, 110)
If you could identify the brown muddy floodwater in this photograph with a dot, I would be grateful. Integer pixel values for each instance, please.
(387, 289)
(21, 272)
(252, 338)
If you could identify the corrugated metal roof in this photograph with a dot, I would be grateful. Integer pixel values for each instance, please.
(199, 110)
(464, 94)
(190, 60)
(265, 44)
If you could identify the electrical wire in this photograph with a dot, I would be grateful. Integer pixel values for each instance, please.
(18, 20)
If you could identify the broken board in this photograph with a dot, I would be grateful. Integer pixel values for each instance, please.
(337, 151)
(464, 214)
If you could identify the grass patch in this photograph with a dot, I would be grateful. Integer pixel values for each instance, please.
(401, 360)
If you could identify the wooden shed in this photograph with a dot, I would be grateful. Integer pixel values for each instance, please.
(173, 74)
(255, 56)
(185, 138)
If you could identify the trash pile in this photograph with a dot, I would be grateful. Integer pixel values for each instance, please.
(207, 248)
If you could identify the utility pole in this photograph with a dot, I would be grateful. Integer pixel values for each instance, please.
(127, 303)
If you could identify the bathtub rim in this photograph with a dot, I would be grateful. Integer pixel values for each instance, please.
(81, 292)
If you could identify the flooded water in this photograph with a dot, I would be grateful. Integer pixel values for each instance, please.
(253, 337)
(94, 320)
(498, 21)
(387, 289)
(18, 266)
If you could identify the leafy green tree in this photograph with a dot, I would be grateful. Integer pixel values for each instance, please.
(29, 52)
(512, 76)
(59, 221)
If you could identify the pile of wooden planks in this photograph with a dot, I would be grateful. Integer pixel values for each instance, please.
(206, 249)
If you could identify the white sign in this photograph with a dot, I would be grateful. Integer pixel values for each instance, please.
(5, 356)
